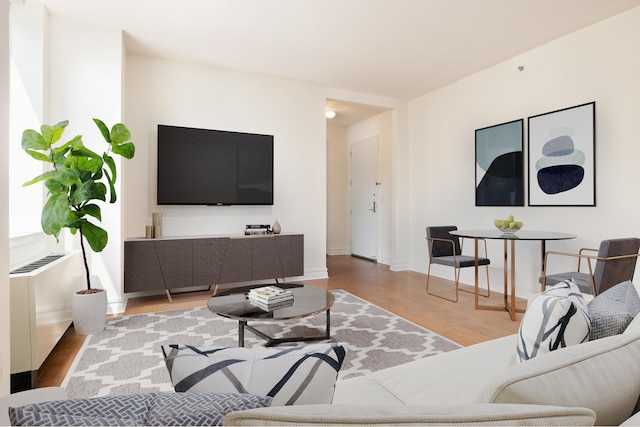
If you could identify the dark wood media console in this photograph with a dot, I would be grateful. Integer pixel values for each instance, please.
(181, 262)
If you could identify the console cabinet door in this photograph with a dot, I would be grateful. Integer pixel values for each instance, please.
(237, 261)
(176, 262)
(141, 267)
(208, 256)
(266, 262)
(291, 252)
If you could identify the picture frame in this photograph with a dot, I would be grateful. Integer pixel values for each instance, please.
(561, 157)
(500, 164)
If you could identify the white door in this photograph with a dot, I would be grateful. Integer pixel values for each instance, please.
(364, 198)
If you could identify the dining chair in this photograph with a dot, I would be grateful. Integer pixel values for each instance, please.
(615, 262)
(446, 249)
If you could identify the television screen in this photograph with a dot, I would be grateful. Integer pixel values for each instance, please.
(214, 167)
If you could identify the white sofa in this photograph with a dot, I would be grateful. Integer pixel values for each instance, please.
(597, 382)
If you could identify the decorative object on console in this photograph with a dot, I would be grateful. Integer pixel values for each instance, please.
(556, 318)
(76, 182)
(157, 225)
(500, 165)
(257, 229)
(277, 229)
(290, 375)
(613, 310)
(562, 157)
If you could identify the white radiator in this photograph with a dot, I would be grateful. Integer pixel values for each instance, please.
(41, 295)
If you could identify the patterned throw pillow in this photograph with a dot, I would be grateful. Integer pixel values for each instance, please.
(159, 409)
(556, 318)
(290, 375)
(613, 310)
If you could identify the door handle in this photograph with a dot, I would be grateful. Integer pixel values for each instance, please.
(374, 207)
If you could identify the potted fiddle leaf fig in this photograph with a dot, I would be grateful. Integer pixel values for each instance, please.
(78, 178)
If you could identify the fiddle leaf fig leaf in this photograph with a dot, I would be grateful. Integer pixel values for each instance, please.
(92, 210)
(51, 134)
(104, 130)
(33, 140)
(89, 164)
(112, 188)
(55, 214)
(38, 155)
(119, 134)
(96, 237)
(111, 164)
(126, 150)
(39, 178)
(68, 145)
(87, 191)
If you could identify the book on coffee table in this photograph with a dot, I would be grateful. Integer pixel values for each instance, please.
(270, 295)
(272, 306)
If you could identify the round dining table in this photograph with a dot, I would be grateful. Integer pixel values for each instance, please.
(520, 235)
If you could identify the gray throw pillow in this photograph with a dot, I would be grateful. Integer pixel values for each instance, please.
(613, 310)
(163, 409)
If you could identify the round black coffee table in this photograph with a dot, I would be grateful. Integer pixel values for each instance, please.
(307, 301)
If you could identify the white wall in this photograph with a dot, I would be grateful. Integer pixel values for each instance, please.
(5, 350)
(85, 81)
(337, 191)
(172, 93)
(600, 63)
(28, 23)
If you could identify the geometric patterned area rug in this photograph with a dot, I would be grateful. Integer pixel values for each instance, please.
(126, 357)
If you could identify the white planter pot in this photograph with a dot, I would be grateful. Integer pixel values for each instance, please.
(89, 312)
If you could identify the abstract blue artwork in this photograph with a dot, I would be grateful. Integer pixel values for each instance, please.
(562, 157)
(500, 165)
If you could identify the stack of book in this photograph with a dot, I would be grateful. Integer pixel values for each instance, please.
(257, 229)
(270, 297)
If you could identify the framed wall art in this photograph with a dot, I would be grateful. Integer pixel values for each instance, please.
(500, 165)
(562, 161)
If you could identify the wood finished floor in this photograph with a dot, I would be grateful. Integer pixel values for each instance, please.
(402, 293)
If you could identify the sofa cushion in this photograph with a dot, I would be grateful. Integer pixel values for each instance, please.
(437, 379)
(556, 318)
(160, 409)
(290, 375)
(367, 415)
(613, 310)
(601, 375)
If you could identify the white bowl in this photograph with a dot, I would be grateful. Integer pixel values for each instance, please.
(509, 230)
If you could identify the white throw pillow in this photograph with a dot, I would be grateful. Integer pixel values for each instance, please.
(290, 375)
(556, 318)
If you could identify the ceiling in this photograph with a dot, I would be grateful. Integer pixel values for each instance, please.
(399, 49)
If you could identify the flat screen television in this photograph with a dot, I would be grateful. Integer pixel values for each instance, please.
(214, 167)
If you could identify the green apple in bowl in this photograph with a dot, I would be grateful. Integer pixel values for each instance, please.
(509, 225)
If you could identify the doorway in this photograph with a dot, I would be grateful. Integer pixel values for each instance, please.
(364, 198)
